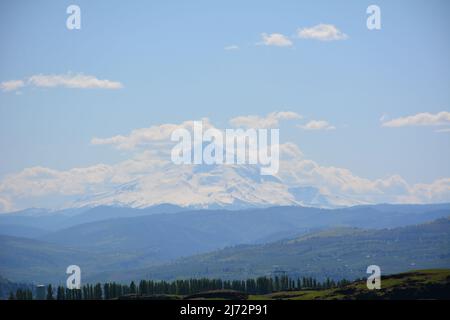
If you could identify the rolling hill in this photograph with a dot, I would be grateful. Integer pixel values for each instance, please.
(140, 239)
(190, 232)
(34, 261)
(418, 284)
(335, 253)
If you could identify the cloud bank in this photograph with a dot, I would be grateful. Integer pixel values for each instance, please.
(420, 119)
(148, 177)
(79, 81)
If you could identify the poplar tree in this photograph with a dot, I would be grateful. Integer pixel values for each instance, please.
(50, 292)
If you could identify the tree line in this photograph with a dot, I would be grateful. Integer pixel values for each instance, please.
(113, 290)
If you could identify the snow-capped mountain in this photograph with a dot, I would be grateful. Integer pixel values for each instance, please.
(203, 186)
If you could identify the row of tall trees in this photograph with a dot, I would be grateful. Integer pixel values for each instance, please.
(261, 285)
(21, 294)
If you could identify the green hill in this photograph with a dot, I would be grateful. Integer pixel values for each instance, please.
(421, 284)
(336, 253)
(412, 285)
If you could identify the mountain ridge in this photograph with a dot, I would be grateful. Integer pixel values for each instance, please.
(115, 246)
(335, 256)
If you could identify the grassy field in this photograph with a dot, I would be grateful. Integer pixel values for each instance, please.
(421, 284)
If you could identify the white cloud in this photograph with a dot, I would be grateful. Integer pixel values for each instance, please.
(317, 125)
(11, 85)
(275, 39)
(231, 47)
(68, 80)
(322, 32)
(270, 121)
(5, 205)
(438, 191)
(72, 81)
(420, 119)
(384, 117)
(149, 177)
(147, 136)
(290, 151)
(40, 181)
(348, 189)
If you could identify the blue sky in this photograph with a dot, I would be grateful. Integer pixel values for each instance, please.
(170, 58)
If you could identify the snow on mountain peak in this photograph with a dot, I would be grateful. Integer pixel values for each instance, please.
(202, 186)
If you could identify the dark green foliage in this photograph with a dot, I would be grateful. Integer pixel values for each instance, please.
(422, 284)
(261, 285)
(22, 294)
(60, 293)
(98, 295)
(8, 288)
(50, 292)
